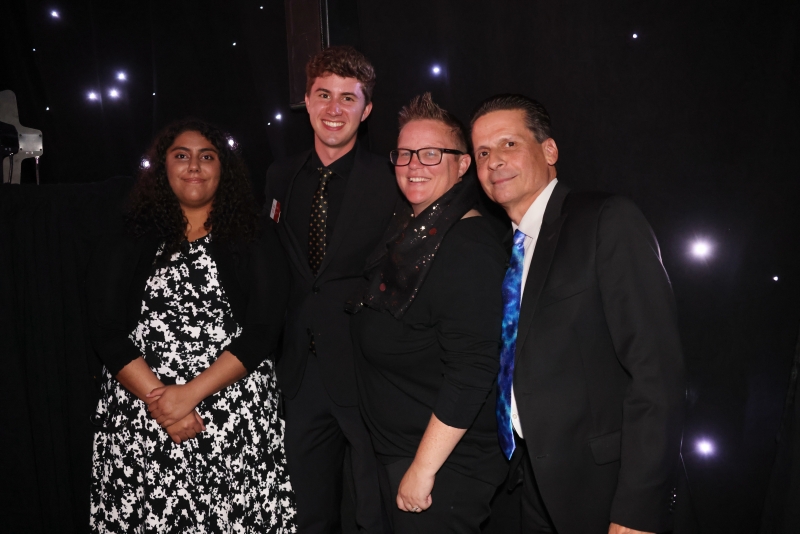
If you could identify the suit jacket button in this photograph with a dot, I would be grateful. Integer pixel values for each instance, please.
(315, 289)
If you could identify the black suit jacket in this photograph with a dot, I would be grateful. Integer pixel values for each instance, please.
(316, 304)
(599, 374)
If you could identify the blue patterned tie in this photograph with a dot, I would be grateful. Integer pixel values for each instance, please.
(512, 295)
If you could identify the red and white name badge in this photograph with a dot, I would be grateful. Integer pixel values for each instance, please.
(275, 212)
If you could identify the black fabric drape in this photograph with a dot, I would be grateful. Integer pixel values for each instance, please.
(781, 513)
(47, 388)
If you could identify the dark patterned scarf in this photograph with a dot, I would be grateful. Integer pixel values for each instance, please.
(398, 268)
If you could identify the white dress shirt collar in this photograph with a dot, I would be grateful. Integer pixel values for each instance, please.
(531, 222)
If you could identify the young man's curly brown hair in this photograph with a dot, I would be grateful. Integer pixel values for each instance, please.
(345, 62)
(154, 209)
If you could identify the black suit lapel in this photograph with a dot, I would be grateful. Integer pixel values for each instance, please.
(290, 242)
(541, 261)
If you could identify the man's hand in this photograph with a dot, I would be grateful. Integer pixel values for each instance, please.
(170, 404)
(414, 493)
(614, 528)
(187, 428)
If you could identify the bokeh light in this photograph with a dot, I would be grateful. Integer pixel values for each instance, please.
(701, 249)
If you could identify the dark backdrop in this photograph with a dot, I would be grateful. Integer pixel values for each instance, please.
(696, 119)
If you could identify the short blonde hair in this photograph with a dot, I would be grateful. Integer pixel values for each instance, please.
(422, 107)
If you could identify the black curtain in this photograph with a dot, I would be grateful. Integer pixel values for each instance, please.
(48, 368)
(781, 510)
(696, 119)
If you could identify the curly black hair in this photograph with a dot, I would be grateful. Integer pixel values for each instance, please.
(154, 209)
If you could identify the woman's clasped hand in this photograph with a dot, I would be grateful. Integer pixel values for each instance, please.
(173, 407)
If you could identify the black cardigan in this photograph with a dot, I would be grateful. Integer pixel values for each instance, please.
(254, 276)
(442, 357)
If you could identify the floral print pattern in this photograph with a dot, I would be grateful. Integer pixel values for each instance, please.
(232, 477)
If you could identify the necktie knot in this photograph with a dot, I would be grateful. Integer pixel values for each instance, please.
(519, 238)
(518, 250)
(326, 174)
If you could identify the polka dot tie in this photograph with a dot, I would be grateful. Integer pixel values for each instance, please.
(318, 223)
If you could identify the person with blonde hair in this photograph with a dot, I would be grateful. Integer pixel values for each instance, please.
(427, 335)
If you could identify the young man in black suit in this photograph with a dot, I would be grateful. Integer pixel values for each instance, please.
(592, 399)
(331, 205)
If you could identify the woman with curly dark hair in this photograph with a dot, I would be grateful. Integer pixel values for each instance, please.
(186, 310)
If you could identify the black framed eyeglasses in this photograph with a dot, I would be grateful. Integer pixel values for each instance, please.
(400, 157)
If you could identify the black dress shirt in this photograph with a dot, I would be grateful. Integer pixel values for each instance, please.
(442, 357)
(304, 187)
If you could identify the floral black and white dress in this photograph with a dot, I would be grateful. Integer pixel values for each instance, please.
(230, 478)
